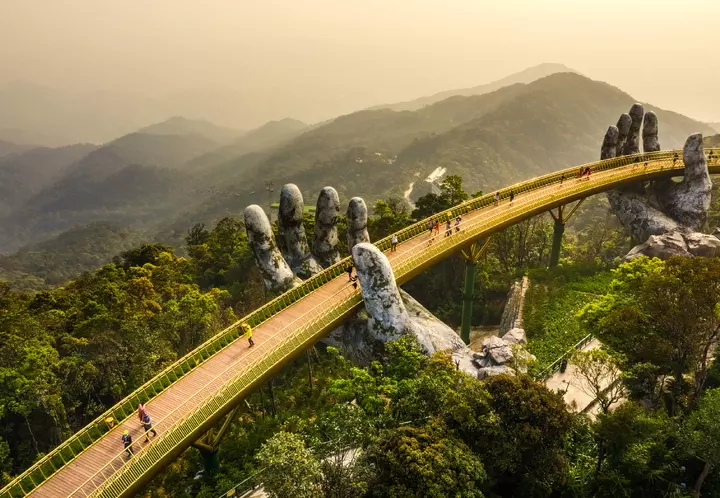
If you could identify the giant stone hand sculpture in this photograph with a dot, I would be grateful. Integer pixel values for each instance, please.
(389, 312)
(663, 216)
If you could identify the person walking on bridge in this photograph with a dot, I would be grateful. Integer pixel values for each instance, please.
(437, 227)
(448, 228)
(394, 243)
(248, 332)
(146, 422)
(512, 196)
(457, 223)
(496, 197)
(431, 225)
(127, 442)
(349, 271)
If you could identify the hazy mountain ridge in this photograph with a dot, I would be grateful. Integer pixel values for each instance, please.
(132, 180)
(712, 141)
(512, 134)
(557, 123)
(172, 181)
(8, 148)
(268, 136)
(525, 76)
(24, 175)
(178, 125)
(59, 259)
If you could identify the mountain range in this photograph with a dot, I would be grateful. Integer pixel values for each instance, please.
(525, 76)
(165, 177)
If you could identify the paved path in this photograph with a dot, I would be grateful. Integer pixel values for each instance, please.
(574, 396)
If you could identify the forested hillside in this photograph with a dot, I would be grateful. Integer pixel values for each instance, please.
(55, 261)
(490, 140)
(24, 175)
(131, 181)
(167, 182)
(97, 338)
(266, 137)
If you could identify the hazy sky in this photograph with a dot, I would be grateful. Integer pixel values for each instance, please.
(324, 57)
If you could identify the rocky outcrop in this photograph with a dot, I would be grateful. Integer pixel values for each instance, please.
(663, 217)
(516, 336)
(389, 312)
(502, 355)
(661, 246)
(512, 313)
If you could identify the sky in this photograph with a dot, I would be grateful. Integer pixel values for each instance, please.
(315, 59)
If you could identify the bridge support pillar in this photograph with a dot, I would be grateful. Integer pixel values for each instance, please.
(472, 258)
(208, 444)
(558, 230)
(211, 460)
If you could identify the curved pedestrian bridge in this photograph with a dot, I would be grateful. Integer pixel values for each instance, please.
(190, 396)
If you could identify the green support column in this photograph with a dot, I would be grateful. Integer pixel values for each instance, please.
(558, 231)
(468, 296)
(210, 442)
(211, 460)
(472, 257)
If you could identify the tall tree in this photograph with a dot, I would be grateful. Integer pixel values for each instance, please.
(700, 435)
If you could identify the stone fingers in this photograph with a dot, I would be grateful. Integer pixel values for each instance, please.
(326, 217)
(632, 143)
(388, 316)
(689, 200)
(276, 273)
(357, 219)
(623, 126)
(609, 145)
(292, 231)
(650, 132)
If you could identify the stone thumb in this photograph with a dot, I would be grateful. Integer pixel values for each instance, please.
(388, 316)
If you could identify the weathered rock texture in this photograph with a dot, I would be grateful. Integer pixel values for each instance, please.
(388, 312)
(357, 218)
(276, 273)
(291, 230)
(391, 314)
(512, 317)
(501, 355)
(663, 217)
(326, 217)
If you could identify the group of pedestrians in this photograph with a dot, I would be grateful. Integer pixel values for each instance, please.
(584, 172)
(434, 227)
(147, 426)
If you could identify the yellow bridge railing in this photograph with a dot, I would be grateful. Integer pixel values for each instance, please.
(176, 438)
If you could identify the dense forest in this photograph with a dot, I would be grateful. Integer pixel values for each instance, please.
(407, 424)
